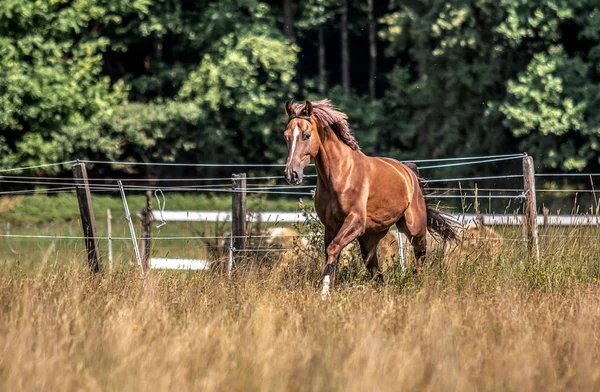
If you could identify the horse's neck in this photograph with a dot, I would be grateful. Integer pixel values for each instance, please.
(334, 160)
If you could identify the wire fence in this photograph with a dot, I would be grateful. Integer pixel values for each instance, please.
(452, 162)
(171, 238)
(268, 185)
(67, 185)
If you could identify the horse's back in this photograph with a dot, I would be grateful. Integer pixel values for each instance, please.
(408, 167)
(401, 175)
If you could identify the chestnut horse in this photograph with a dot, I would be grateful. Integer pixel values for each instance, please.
(357, 196)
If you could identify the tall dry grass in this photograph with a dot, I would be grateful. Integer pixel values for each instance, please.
(481, 322)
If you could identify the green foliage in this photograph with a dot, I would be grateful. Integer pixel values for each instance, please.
(177, 35)
(546, 108)
(242, 86)
(437, 97)
(316, 13)
(205, 81)
(538, 95)
(58, 105)
(154, 131)
(486, 75)
(52, 82)
(534, 20)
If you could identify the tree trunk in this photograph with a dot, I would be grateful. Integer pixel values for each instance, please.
(372, 51)
(322, 71)
(288, 21)
(345, 53)
(158, 55)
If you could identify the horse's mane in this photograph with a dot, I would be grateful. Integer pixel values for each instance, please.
(327, 114)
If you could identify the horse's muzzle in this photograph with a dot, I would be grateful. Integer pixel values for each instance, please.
(293, 176)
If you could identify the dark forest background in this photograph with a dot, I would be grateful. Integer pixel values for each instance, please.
(205, 81)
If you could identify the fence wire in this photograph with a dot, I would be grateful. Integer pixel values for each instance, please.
(57, 185)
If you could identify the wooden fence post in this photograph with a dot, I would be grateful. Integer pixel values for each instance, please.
(238, 215)
(88, 221)
(146, 231)
(530, 215)
(478, 214)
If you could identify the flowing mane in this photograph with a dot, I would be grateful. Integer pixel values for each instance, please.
(327, 114)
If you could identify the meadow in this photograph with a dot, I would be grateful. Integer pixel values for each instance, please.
(487, 319)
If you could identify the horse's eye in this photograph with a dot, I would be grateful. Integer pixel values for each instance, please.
(306, 136)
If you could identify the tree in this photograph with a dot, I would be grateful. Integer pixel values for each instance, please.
(288, 20)
(450, 64)
(316, 15)
(167, 81)
(550, 104)
(548, 114)
(489, 76)
(172, 80)
(345, 60)
(372, 51)
(241, 86)
(52, 84)
(228, 104)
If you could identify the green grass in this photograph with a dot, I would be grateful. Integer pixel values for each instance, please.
(30, 253)
(58, 215)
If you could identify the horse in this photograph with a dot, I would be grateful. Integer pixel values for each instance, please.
(357, 196)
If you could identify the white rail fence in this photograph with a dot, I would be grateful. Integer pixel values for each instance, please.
(295, 217)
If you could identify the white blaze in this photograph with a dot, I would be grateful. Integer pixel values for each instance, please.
(294, 140)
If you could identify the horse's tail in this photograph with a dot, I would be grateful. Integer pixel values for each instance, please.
(440, 224)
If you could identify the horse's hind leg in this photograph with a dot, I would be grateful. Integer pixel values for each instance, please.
(368, 249)
(414, 226)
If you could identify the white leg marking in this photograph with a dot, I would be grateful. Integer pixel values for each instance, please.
(325, 290)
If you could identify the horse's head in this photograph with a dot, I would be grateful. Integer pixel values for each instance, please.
(302, 141)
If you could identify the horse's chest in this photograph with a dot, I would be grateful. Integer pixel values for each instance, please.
(330, 212)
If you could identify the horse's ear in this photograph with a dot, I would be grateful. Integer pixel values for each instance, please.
(288, 108)
(308, 109)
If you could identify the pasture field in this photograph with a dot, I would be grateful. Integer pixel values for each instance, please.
(58, 215)
(480, 320)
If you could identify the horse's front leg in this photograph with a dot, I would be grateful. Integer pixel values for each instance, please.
(353, 227)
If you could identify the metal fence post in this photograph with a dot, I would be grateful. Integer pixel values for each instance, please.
(131, 228)
(109, 229)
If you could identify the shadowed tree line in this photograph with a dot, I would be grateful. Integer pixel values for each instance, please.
(205, 81)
